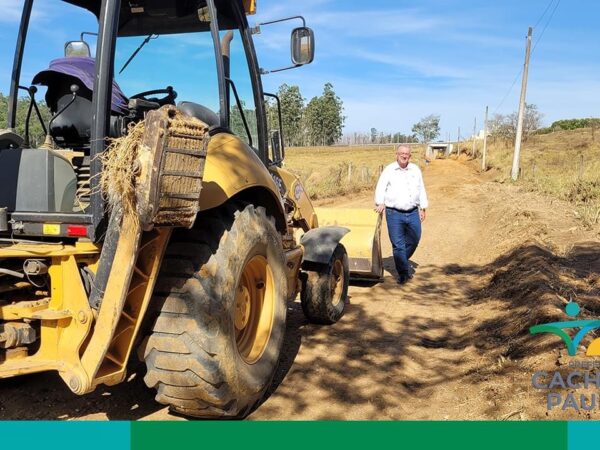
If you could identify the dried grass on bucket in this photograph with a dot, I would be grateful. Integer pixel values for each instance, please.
(120, 166)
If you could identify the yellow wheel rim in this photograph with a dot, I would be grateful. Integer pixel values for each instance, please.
(337, 282)
(254, 309)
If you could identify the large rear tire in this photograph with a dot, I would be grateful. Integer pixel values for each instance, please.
(325, 288)
(221, 297)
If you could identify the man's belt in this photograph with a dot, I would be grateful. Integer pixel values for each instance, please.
(405, 211)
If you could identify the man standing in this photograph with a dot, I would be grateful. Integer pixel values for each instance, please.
(401, 193)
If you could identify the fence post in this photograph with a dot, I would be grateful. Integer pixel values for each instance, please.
(581, 167)
(349, 172)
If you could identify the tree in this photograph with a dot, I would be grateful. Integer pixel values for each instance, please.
(323, 119)
(403, 138)
(505, 126)
(332, 115)
(428, 128)
(292, 110)
(237, 123)
(313, 125)
(532, 120)
(501, 126)
(373, 135)
(36, 132)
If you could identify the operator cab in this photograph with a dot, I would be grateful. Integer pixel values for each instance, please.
(203, 47)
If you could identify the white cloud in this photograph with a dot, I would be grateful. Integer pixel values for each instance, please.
(11, 11)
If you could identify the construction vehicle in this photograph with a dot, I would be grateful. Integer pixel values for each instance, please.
(195, 278)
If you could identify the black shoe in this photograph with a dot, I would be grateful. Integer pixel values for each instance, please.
(403, 279)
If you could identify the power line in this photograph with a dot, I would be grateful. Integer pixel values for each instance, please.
(546, 26)
(543, 14)
(508, 92)
(534, 47)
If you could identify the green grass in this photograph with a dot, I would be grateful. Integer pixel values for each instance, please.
(334, 171)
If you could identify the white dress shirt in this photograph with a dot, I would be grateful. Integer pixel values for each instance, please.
(401, 188)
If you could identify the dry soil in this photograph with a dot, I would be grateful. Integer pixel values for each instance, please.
(451, 344)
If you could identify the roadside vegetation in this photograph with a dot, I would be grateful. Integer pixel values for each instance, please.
(563, 164)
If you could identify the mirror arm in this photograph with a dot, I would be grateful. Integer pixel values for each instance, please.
(284, 20)
(266, 72)
(89, 33)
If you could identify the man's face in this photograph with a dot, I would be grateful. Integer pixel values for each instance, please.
(403, 156)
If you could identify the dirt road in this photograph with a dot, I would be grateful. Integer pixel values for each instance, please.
(451, 344)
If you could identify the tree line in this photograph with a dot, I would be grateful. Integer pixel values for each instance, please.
(318, 122)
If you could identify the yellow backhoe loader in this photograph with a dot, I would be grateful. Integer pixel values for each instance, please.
(164, 229)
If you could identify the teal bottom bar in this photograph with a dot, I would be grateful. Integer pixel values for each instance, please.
(583, 435)
(65, 435)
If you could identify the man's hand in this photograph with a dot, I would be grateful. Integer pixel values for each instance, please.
(379, 208)
(422, 215)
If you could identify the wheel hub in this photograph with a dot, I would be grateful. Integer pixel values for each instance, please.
(254, 309)
(242, 307)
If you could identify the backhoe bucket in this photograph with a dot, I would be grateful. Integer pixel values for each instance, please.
(363, 243)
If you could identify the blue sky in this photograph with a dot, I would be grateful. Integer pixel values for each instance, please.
(393, 62)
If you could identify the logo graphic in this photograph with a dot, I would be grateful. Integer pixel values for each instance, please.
(583, 326)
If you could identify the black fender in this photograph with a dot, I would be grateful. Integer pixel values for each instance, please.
(320, 243)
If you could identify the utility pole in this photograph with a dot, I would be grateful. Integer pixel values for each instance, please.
(518, 138)
(458, 144)
(485, 132)
(474, 137)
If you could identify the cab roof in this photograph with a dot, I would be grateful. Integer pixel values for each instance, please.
(143, 17)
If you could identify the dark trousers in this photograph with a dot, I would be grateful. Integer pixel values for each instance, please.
(404, 229)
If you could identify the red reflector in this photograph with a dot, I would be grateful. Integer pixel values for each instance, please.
(77, 230)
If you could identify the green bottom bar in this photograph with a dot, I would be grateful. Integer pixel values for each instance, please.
(350, 435)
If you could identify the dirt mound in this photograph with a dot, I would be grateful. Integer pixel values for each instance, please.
(533, 286)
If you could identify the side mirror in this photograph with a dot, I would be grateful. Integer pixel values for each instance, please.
(303, 46)
(276, 147)
(77, 48)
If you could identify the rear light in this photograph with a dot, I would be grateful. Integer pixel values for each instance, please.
(77, 230)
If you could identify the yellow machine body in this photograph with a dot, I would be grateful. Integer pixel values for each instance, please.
(89, 347)
(363, 243)
(231, 168)
(290, 187)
